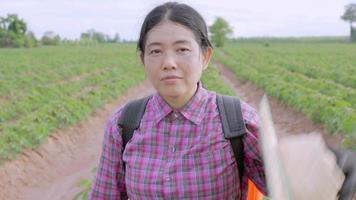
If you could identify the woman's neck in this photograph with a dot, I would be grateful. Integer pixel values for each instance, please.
(178, 102)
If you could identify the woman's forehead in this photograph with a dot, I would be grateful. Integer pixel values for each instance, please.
(169, 33)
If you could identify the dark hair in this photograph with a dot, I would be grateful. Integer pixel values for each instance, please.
(179, 13)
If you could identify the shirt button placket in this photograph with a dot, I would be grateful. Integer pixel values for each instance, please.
(167, 187)
(167, 176)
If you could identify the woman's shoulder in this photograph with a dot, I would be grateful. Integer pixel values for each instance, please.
(112, 127)
(118, 113)
(250, 115)
(248, 110)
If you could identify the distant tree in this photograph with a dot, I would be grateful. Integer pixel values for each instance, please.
(116, 38)
(100, 37)
(30, 40)
(13, 23)
(92, 36)
(50, 38)
(350, 16)
(220, 30)
(12, 31)
(68, 42)
(16, 25)
(3, 22)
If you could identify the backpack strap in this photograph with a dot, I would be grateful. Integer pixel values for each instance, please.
(131, 118)
(233, 127)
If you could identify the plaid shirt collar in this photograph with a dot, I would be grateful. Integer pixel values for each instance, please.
(194, 110)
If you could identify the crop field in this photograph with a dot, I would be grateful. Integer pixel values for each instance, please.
(317, 79)
(44, 89)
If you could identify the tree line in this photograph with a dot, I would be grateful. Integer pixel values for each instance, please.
(220, 30)
(14, 32)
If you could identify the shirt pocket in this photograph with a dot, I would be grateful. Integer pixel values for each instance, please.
(208, 158)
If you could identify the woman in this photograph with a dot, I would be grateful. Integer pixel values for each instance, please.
(179, 151)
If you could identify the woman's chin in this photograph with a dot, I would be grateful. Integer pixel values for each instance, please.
(170, 93)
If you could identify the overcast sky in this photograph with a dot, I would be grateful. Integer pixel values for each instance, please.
(249, 18)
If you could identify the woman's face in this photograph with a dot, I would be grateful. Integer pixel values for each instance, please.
(173, 60)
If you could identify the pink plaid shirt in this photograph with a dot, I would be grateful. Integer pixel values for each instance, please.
(178, 154)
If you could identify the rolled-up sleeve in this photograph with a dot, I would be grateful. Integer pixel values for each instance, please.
(109, 181)
(254, 167)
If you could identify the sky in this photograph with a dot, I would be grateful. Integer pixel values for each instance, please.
(248, 18)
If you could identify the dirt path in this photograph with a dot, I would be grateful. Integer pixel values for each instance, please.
(53, 171)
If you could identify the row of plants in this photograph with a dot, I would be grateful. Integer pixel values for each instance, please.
(321, 99)
(334, 62)
(322, 85)
(30, 115)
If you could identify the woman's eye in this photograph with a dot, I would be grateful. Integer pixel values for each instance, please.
(183, 50)
(155, 51)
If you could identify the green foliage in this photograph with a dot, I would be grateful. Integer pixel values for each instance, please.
(94, 37)
(85, 184)
(13, 32)
(350, 13)
(30, 40)
(220, 30)
(350, 16)
(317, 79)
(84, 194)
(211, 79)
(16, 25)
(50, 38)
(44, 89)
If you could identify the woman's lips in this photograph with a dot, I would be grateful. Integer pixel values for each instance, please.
(170, 78)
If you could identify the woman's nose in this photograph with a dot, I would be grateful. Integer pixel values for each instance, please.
(169, 62)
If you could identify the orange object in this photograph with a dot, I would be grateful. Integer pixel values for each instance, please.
(253, 193)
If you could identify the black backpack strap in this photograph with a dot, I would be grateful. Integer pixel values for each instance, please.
(233, 126)
(131, 118)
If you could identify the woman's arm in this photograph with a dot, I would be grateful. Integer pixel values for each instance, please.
(109, 182)
(254, 167)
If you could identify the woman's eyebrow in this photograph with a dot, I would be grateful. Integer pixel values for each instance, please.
(174, 43)
(182, 42)
(153, 44)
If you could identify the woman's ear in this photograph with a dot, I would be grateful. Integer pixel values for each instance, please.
(206, 57)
